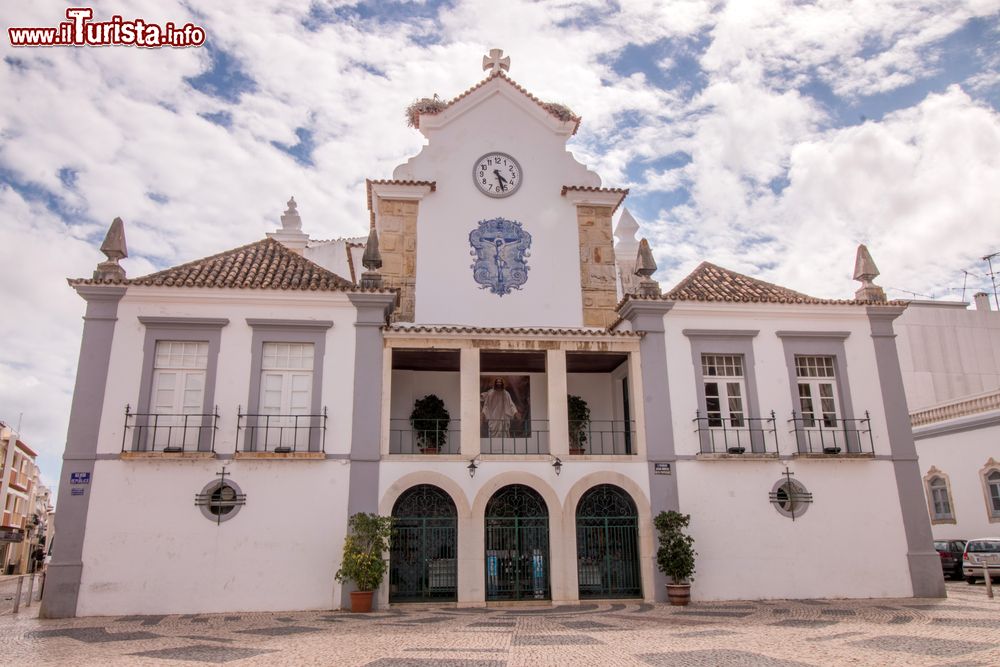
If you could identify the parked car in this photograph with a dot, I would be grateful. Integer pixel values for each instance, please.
(978, 551)
(951, 552)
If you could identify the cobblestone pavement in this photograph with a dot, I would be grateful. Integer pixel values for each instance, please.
(963, 629)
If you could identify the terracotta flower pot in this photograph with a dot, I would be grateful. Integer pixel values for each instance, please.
(361, 601)
(679, 594)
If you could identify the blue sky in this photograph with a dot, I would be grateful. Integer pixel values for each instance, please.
(770, 137)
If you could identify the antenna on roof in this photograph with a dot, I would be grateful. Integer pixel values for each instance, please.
(993, 276)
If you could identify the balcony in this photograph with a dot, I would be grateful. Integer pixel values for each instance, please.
(514, 399)
(736, 435)
(280, 434)
(514, 436)
(424, 436)
(169, 433)
(602, 437)
(832, 436)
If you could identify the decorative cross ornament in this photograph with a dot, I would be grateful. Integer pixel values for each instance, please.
(496, 61)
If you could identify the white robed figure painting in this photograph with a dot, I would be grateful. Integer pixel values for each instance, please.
(498, 409)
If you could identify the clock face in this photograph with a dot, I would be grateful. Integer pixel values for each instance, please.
(497, 174)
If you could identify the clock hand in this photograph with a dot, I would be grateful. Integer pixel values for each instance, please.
(501, 180)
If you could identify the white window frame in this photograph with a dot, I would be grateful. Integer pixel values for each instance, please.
(197, 329)
(292, 365)
(819, 378)
(726, 373)
(937, 487)
(279, 331)
(186, 364)
(989, 476)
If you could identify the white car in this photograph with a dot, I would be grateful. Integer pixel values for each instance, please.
(978, 551)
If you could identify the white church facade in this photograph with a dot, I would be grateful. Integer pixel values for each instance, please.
(231, 413)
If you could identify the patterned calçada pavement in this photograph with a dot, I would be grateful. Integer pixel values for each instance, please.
(963, 629)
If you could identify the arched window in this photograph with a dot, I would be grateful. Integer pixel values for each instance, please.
(990, 475)
(939, 500)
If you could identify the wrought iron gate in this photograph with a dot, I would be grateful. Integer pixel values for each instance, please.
(607, 538)
(517, 545)
(422, 554)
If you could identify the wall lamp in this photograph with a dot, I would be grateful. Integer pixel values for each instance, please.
(557, 464)
(472, 467)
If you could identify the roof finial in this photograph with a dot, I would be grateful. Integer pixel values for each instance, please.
(372, 261)
(865, 272)
(645, 267)
(290, 234)
(290, 219)
(114, 249)
(496, 61)
(626, 250)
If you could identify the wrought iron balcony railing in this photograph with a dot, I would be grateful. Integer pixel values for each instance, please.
(832, 435)
(736, 435)
(514, 436)
(169, 432)
(602, 437)
(280, 434)
(425, 436)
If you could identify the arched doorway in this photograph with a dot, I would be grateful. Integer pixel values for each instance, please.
(517, 545)
(607, 544)
(424, 546)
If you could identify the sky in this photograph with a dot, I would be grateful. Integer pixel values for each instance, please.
(770, 137)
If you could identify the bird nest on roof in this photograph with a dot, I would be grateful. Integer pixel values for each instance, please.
(423, 105)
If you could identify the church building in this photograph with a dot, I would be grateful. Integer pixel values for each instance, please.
(488, 366)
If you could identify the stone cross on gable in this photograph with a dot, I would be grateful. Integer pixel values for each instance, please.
(496, 61)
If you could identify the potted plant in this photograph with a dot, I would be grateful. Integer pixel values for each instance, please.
(675, 556)
(430, 420)
(366, 542)
(579, 424)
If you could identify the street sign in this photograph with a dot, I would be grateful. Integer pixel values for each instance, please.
(76, 491)
(79, 478)
(662, 469)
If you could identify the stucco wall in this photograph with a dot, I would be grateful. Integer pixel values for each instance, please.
(446, 292)
(961, 455)
(947, 351)
(149, 549)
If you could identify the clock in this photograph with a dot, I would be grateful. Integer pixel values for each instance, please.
(497, 174)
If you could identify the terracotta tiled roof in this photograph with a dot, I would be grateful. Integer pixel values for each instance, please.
(532, 331)
(590, 188)
(709, 282)
(266, 264)
(547, 106)
(390, 181)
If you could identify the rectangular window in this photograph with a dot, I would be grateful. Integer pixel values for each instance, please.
(178, 392)
(722, 375)
(942, 507)
(817, 390)
(286, 383)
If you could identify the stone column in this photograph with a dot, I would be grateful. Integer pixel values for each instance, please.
(924, 562)
(647, 316)
(555, 376)
(396, 221)
(469, 401)
(366, 422)
(62, 585)
(597, 265)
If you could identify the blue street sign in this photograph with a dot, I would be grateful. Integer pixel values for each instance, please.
(79, 478)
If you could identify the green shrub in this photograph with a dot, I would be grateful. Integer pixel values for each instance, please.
(367, 539)
(675, 556)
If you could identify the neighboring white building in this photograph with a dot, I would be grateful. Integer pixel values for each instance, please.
(950, 358)
(775, 419)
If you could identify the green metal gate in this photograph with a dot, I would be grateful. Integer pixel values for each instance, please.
(422, 554)
(607, 540)
(517, 545)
